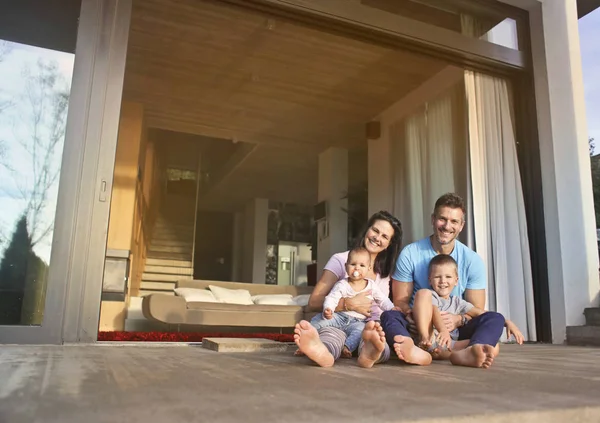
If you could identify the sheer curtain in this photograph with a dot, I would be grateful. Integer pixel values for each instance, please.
(429, 150)
(500, 226)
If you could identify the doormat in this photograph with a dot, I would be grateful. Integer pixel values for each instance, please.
(186, 336)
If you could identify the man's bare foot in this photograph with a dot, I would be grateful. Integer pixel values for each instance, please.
(346, 353)
(477, 355)
(407, 351)
(307, 339)
(373, 345)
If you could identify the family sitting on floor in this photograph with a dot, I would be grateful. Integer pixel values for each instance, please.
(438, 291)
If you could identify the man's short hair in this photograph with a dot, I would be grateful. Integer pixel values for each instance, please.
(441, 260)
(452, 200)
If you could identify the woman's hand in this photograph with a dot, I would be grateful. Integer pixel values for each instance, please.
(360, 303)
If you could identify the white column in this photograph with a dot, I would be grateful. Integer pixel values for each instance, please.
(381, 190)
(333, 187)
(566, 178)
(254, 258)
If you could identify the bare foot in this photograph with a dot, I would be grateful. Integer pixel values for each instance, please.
(424, 341)
(407, 351)
(346, 353)
(477, 355)
(441, 354)
(373, 345)
(307, 339)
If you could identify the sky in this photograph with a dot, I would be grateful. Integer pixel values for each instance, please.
(589, 35)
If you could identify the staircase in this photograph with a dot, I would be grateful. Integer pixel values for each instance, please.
(588, 334)
(169, 255)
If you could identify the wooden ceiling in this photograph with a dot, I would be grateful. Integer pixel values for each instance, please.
(206, 67)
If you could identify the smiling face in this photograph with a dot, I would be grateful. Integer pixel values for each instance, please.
(447, 223)
(358, 265)
(378, 236)
(443, 278)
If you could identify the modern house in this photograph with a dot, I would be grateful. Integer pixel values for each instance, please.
(248, 140)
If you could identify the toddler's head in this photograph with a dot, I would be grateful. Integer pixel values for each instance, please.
(443, 274)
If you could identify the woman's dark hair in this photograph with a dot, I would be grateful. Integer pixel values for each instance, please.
(385, 260)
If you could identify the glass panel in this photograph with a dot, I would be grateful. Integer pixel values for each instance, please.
(34, 96)
(468, 18)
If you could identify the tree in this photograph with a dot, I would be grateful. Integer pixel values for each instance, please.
(39, 132)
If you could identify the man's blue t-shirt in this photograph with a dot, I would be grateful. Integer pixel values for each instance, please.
(413, 266)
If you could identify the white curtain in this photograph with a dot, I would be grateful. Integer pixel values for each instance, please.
(429, 149)
(498, 211)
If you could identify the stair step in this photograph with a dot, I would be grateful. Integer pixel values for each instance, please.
(162, 277)
(158, 226)
(168, 263)
(157, 286)
(144, 292)
(172, 243)
(583, 335)
(169, 249)
(169, 256)
(592, 316)
(169, 270)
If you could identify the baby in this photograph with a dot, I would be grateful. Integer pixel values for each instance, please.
(428, 305)
(351, 322)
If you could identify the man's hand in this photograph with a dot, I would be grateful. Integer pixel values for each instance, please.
(452, 321)
(328, 313)
(444, 340)
(512, 329)
(360, 303)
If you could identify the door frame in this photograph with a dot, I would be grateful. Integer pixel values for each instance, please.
(75, 275)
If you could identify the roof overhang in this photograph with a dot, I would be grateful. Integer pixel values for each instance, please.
(586, 6)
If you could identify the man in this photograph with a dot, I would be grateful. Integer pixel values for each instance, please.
(411, 274)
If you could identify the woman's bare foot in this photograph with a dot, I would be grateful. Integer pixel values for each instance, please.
(407, 351)
(477, 355)
(346, 353)
(373, 345)
(307, 339)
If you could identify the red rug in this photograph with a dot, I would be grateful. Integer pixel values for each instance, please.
(185, 336)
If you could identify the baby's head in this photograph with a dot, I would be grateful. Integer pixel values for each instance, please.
(358, 264)
(443, 274)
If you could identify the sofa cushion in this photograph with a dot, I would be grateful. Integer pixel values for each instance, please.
(275, 299)
(231, 296)
(301, 300)
(243, 308)
(196, 295)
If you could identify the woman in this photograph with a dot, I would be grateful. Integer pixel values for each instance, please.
(382, 238)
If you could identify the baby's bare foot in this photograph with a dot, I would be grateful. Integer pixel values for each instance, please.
(307, 339)
(373, 345)
(407, 351)
(346, 353)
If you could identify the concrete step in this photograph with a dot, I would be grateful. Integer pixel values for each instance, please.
(157, 286)
(169, 270)
(169, 249)
(168, 263)
(165, 226)
(162, 277)
(592, 316)
(583, 335)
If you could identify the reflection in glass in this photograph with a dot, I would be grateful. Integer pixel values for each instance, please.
(34, 95)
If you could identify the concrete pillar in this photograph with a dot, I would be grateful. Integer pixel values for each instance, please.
(381, 188)
(254, 260)
(566, 178)
(238, 247)
(333, 188)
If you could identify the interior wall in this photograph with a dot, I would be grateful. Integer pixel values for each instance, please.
(256, 216)
(213, 246)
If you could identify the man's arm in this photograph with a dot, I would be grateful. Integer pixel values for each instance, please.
(475, 297)
(402, 293)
